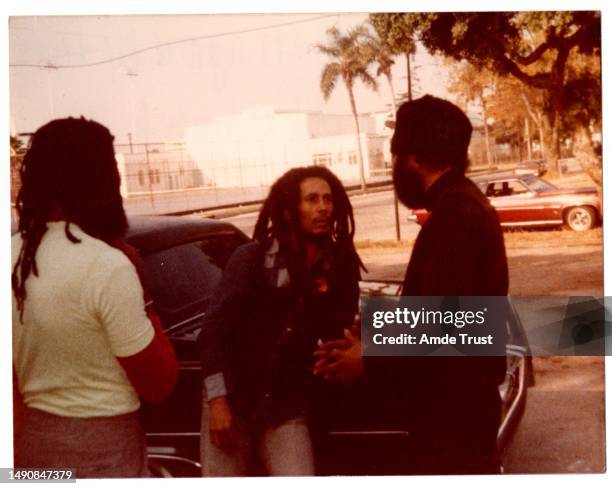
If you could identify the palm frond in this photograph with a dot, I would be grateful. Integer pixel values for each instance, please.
(351, 53)
(367, 79)
(329, 78)
(328, 49)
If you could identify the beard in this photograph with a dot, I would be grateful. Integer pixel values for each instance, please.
(408, 186)
(322, 240)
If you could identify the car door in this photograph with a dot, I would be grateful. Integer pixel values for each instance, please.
(181, 280)
(513, 201)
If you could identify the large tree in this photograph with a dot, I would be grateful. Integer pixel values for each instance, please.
(534, 47)
(383, 56)
(521, 108)
(396, 32)
(350, 55)
(472, 84)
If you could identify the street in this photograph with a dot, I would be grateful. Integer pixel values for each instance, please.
(374, 218)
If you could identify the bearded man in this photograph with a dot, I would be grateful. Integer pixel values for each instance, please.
(451, 405)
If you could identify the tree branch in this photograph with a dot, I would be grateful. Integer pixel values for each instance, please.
(528, 107)
(552, 42)
(535, 55)
(540, 80)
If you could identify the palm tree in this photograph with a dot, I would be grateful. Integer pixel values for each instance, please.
(351, 54)
(383, 57)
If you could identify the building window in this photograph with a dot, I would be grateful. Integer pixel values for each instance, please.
(352, 158)
(154, 176)
(323, 159)
(140, 178)
(339, 158)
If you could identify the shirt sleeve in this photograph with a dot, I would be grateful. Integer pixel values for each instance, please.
(117, 299)
(215, 386)
(224, 313)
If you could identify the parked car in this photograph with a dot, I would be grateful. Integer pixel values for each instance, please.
(183, 262)
(529, 201)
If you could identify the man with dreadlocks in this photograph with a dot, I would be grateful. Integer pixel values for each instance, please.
(294, 286)
(84, 347)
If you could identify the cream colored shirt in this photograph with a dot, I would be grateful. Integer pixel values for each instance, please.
(84, 309)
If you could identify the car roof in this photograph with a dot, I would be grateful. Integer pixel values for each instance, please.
(150, 233)
(505, 175)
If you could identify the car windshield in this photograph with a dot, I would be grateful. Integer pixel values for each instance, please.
(538, 185)
(182, 278)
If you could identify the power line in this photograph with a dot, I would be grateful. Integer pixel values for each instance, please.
(170, 43)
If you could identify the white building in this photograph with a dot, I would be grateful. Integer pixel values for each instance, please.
(159, 167)
(256, 147)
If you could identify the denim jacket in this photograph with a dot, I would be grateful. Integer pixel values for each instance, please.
(258, 337)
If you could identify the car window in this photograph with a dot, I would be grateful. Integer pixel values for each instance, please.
(538, 185)
(182, 278)
(506, 188)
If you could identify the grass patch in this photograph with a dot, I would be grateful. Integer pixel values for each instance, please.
(512, 237)
(553, 237)
(386, 243)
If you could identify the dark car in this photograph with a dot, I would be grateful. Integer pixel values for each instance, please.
(183, 262)
(529, 201)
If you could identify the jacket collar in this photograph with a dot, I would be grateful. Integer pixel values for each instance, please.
(439, 187)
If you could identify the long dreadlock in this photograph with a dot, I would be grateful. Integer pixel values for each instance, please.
(284, 197)
(69, 166)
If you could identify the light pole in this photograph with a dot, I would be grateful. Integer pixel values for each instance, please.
(49, 67)
(398, 233)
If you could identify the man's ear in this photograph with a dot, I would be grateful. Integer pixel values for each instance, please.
(403, 159)
(412, 160)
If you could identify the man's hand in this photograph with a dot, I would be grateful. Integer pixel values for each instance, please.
(340, 360)
(220, 423)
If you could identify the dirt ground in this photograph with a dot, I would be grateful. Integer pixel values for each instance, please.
(563, 427)
(540, 262)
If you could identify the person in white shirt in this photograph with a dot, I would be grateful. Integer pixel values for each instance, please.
(84, 345)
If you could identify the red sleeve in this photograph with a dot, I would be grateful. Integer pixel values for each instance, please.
(153, 372)
(18, 405)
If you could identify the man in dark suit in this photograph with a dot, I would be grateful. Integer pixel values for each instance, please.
(451, 404)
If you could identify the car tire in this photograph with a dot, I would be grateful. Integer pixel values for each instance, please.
(581, 218)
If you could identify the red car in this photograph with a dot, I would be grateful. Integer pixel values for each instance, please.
(527, 201)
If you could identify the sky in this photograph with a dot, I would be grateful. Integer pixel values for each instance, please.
(226, 64)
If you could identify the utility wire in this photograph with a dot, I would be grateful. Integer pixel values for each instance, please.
(171, 43)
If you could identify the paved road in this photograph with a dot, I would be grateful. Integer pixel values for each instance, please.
(563, 428)
(195, 199)
(374, 218)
